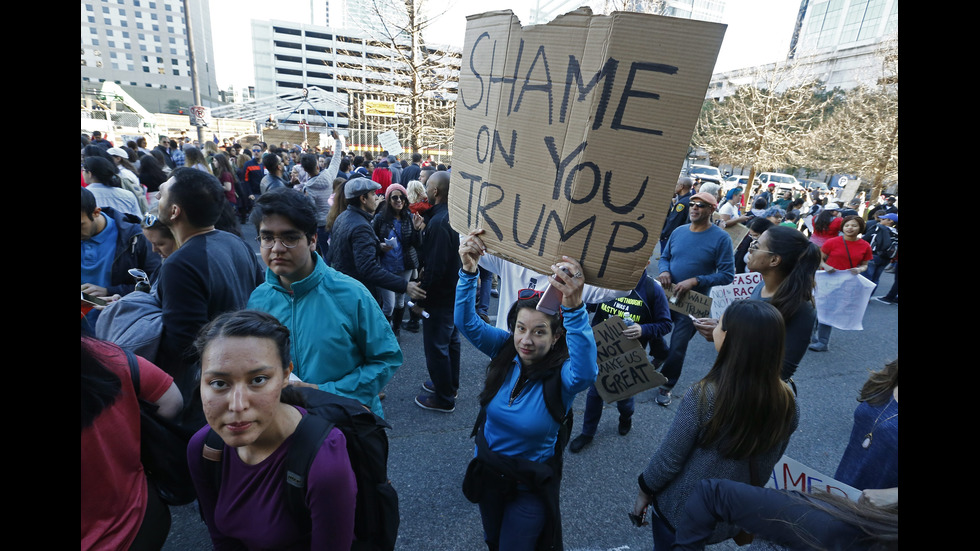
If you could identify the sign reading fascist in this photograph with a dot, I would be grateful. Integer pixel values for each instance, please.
(570, 136)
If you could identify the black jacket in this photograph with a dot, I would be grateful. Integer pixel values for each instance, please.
(356, 251)
(440, 259)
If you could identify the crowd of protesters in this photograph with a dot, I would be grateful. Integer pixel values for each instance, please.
(352, 245)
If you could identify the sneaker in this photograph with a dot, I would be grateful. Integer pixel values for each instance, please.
(818, 347)
(625, 425)
(663, 398)
(494, 293)
(579, 442)
(429, 402)
(412, 326)
(884, 300)
(484, 317)
(430, 387)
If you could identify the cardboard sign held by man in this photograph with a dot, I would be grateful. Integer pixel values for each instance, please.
(570, 136)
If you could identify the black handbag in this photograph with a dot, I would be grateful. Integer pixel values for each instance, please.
(163, 449)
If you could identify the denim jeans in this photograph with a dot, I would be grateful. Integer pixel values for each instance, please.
(821, 333)
(593, 410)
(874, 271)
(679, 338)
(390, 299)
(663, 537)
(441, 340)
(483, 298)
(515, 524)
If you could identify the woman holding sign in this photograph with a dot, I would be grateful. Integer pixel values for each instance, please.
(844, 252)
(535, 372)
(734, 424)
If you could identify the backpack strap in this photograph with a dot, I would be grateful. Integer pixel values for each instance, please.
(134, 370)
(307, 440)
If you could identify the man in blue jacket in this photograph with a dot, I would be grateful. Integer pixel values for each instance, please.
(112, 243)
(340, 340)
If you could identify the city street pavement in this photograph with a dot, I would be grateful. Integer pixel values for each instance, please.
(430, 450)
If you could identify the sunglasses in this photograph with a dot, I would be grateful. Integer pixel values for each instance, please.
(525, 294)
(699, 205)
(399, 198)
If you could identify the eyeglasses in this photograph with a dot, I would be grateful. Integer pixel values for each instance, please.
(269, 241)
(754, 247)
(699, 205)
(149, 220)
(525, 294)
(398, 198)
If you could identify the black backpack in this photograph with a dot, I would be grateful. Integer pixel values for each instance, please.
(885, 242)
(163, 445)
(376, 513)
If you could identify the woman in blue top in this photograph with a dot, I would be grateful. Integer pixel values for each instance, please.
(516, 472)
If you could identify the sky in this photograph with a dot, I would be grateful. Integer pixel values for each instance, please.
(758, 30)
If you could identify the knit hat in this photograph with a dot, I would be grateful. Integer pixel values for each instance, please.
(394, 187)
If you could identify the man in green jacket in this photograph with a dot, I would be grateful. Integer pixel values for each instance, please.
(340, 340)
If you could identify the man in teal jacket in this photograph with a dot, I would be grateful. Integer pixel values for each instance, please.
(340, 340)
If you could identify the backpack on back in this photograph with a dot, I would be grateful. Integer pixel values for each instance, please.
(885, 242)
(376, 513)
(134, 322)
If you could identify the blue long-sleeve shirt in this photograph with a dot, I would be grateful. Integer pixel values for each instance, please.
(525, 428)
(706, 255)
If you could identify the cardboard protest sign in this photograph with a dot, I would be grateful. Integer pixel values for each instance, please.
(624, 368)
(389, 142)
(789, 474)
(739, 289)
(737, 232)
(691, 302)
(570, 136)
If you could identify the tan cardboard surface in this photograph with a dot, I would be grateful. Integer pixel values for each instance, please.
(691, 302)
(570, 136)
(624, 368)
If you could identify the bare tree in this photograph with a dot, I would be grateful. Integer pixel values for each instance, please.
(861, 135)
(762, 125)
(425, 77)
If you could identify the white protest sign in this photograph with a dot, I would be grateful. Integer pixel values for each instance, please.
(389, 141)
(543, 117)
(739, 289)
(789, 474)
(841, 298)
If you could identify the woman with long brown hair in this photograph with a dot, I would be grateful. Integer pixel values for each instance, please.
(734, 424)
(535, 371)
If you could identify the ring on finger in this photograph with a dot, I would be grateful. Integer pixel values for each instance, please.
(577, 274)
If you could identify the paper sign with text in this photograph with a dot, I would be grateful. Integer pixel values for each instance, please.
(691, 302)
(624, 368)
(389, 142)
(789, 474)
(545, 116)
(739, 289)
